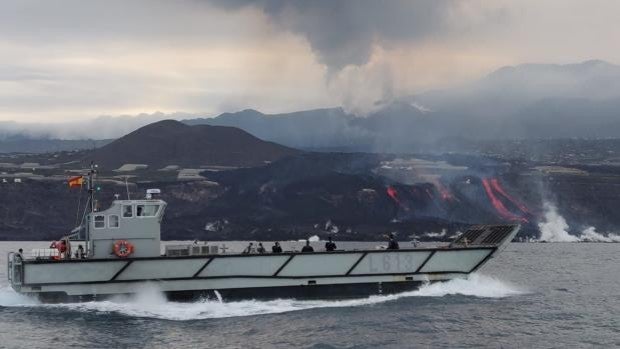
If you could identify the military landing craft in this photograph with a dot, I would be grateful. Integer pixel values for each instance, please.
(121, 252)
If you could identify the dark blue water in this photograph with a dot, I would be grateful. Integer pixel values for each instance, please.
(532, 295)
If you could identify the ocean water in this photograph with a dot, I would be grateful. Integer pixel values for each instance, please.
(554, 295)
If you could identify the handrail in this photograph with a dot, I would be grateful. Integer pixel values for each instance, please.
(9, 258)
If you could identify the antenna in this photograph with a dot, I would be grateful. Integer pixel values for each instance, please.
(127, 187)
(91, 186)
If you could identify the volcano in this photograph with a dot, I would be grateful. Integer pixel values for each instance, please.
(171, 142)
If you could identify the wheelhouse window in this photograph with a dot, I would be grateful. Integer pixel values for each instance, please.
(146, 210)
(99, 221)
(127, 211)
(113, 221)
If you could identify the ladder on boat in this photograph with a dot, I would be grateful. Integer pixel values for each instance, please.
(15, 270)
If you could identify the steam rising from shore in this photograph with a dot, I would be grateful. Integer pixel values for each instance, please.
(554, 228)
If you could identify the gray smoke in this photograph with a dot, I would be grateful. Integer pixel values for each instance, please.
(344, 32)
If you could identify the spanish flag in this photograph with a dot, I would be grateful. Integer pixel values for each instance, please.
(76, 181)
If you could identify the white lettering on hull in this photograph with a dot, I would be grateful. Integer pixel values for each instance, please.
(391, 262)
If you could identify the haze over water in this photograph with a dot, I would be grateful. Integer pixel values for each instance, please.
(530, 295)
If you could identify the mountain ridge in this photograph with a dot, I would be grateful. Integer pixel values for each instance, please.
(512, 102)
(515, 102)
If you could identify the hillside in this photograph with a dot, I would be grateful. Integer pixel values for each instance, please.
(315, 128)
(529, 101)
(171, 142)
(354, 196)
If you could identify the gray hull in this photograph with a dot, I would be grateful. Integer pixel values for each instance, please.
(231, 274)
(291, 274)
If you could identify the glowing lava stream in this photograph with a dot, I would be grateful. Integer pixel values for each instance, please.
(498, 188)
(498, 204)
(393, 194)
(445, 193)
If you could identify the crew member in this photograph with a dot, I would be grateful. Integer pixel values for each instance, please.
(62, 248)
(249, 249)
(55, 245)
(260, 249)
(276, 248)
(393, 244)
(67, 248)
(307, 248)
(79, 254)
(330, 245)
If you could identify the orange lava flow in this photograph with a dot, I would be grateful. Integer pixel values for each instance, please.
(393, 194)
(498, 188)
(498, 204)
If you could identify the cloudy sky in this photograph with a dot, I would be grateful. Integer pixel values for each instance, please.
(72, 59)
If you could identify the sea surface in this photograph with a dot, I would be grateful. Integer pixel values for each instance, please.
(553, 295)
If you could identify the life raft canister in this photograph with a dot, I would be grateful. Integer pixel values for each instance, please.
(122, 248)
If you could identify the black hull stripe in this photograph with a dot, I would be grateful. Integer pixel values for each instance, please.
(203, 267)
(121, 270)
(430, 255)
(284, 265)
(356, 263)
(244, 277)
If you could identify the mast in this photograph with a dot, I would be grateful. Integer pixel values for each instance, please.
(91, 206)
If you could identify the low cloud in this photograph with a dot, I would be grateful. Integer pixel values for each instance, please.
(71, 59)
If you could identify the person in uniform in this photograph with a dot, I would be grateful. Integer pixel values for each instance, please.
(393, 244)
(307, 248)
(249, 249)
(330, 245)
(79, 253)
(62, 248)
(260, 248)
(276, 248)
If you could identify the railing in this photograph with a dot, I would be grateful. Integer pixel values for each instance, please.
(44, 253)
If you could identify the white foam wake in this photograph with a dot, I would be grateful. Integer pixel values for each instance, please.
(150, 303)
(10, 298)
